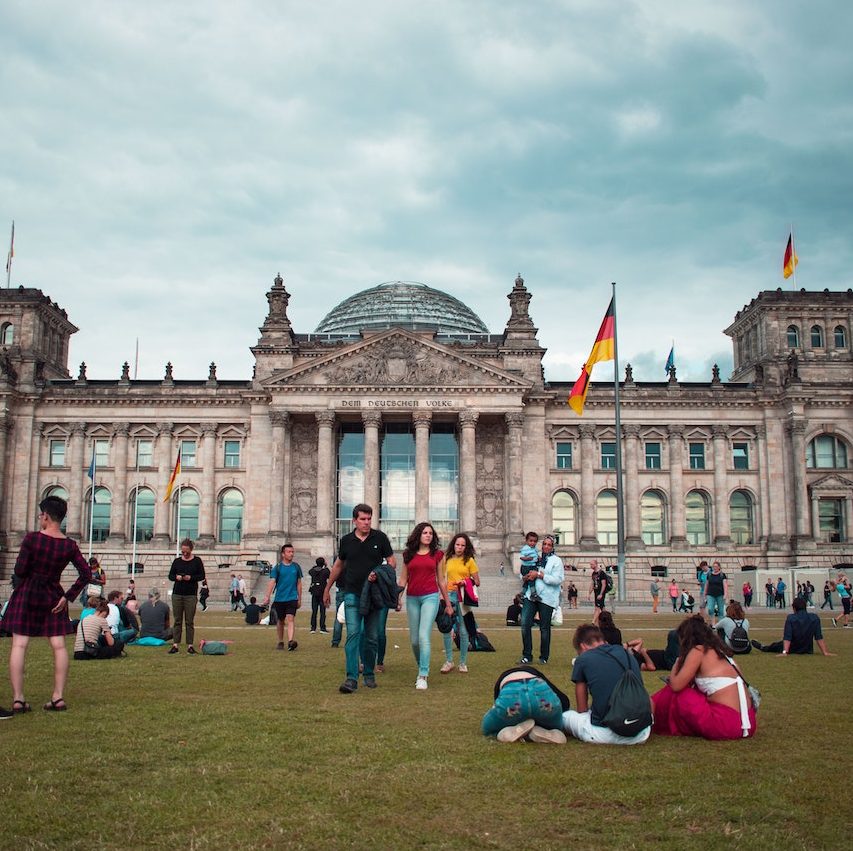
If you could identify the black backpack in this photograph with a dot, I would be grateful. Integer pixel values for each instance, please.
(629, 710)
(608, 581)
(739, 639)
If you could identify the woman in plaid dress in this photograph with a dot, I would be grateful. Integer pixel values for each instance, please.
(38, 605)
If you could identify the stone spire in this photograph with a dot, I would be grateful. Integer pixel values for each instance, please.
(277, 325)
(519, 303)
(276, 345)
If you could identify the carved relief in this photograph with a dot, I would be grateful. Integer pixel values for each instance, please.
(490, 479)
(303, 478)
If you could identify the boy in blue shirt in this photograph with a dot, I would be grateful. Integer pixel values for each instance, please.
(529, 558)
(286, 581)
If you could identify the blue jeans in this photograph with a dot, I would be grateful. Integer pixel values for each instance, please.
(528, 612)
(519, 700)
(716, 606)
(125, 634)
(338, 628)
(381, 638)
(463, 633)
(421, 612)
(356, 627)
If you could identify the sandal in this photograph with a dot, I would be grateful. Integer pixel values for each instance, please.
(57, 705)
(21, 706)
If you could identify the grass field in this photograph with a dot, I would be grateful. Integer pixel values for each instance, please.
(258, 749)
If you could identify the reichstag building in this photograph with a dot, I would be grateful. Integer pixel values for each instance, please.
(403, 399)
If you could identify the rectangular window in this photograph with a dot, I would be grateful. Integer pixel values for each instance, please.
(697, 456)
(653, 456)
(608, 456)
(350, 488)
(187, 453)
(102, 453)
(144, 453)
(564, 456)
(232, 453)
(831, 520)
(57, 453)
(659, 571)
(740, 453)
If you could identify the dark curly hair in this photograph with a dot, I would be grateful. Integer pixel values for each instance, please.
(693, 632)
(413, 542)
(450, 552)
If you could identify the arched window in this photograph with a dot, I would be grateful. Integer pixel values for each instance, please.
(793, 337)
(58, 490)
(142, 509)
(817, 337)
(741, 517)
(564, 516)
(697, 517)
(840, 337)
(98, 514)
(652, 517)
(826, 452)
(185, 502)
(7, 334)
(230, 516)
(605, 518)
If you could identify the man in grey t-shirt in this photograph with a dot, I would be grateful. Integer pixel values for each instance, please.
(654, 590)
(154, 618)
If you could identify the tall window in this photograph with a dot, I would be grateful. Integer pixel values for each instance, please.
(56, 453)
(652, 518)
(444, 480)
(232, 453)
(143, 510)
(653, 455)
(350, 474)
(564, 456)
(826, 452)
(98, 514)
(56, 490)
(840, 335)
(185, 501)
(741, 518)
(605, 518)
(608, 456)
(7, 334)
(793, 337)
(102, 453)
(831, 520)
(817, 337)
(188, 457)
(144, 453)
(740, 455)
(564, 516)
(397, 482)
(697, 517)
(230, 516)
(697, 456)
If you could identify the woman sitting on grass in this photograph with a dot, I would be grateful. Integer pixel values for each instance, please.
(706, 695)
(613, 635)
(95, 630)
(735, 616)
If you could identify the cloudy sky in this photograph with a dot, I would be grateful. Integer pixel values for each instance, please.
(163, 161)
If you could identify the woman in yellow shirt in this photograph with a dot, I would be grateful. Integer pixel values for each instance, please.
(459, 565)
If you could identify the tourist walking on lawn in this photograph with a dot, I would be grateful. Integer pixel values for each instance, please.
(769, 594)
(654, 590)
(842, 588)
(38, 605)
(360, 552)
(187, 572)
(542, 596)
(460, 568)
(716, 592)
(426, 590)
(233, 591)
(319, 577)
(747, 594)
(286, 582)
(203, 594)
(674, 594)
(827, 595)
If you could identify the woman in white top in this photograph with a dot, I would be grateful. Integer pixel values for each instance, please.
(735, 616)
(706, 695)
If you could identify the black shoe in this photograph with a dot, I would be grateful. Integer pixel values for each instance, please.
(292, 645)
(191, 650)
(757, 644)
(174, 648)
(543, 661)
(324, 631)
(348, 686)
(335, 644)
(524, 661)
(370, 682)
(6, 713)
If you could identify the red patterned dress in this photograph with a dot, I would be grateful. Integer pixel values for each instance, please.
(39, 567)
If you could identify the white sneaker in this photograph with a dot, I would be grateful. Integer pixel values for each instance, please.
(541, 734)
(516, 732)
(447, 667)
(421, 684)
(463, 669)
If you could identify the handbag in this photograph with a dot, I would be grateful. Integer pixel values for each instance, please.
(469, 593)
(91, 648)
(557, 616)
(443, 621)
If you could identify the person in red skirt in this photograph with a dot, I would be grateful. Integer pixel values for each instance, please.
(38, 605)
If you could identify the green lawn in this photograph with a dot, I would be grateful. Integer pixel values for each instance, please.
(258, 749)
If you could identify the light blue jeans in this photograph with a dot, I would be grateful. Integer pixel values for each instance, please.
(463, 633)
(421, 612)
(519, 700)
(355, 647)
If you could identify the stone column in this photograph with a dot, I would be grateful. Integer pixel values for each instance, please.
(372, 421)
(421, 421)
(796, 430)
(633, 527)
(588, 538)
(118, 521)
(325, 470)
(5, 428)
(514, 480)
(77, 471)
(279, 475)
(761, 516)
(468, 471)
(678, 535)
(777, 505)
(166, 463)
(207, 497)
(722, 524)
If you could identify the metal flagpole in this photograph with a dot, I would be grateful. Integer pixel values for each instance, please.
(178, 528)
(92, 505)
(793, 260)
(10, 256)
(135, 525)
(620, 506)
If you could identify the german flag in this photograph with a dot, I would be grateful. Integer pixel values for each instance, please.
(602, 350)
(789, 263)
(175, 473)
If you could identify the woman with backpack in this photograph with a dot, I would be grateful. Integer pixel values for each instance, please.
(734, 628)
(705, 695)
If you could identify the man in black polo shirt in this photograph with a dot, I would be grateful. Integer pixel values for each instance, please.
(359, 553)
(802, 629)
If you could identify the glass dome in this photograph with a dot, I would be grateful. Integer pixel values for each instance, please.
(401, 303)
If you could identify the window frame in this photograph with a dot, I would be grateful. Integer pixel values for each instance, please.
(54, 455)
(839, 333)
(150, 454)
(607, 459)
(816, 333)
(650, 457)
(563, 459)
(696, 461)
(189, 460)
(740, 461)
(792, 330)
(231, 456)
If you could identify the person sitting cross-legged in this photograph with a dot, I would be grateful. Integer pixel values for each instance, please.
(802, 629)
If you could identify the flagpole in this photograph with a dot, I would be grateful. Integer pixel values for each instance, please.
(135, 526)
(136, 360)
(178, 528)
(92, 503)
(793, 260)
(620, 506)
(10, 256)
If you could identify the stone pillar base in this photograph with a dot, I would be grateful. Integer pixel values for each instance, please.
(803, 543)
(723, 542)
(589, 544)
(205, 542)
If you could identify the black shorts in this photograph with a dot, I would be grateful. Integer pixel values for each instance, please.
(600, 602)
(845, 604)
(282, 609)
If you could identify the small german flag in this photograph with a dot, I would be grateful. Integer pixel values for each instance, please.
(175, 473)
(791, 259)
(602, 350)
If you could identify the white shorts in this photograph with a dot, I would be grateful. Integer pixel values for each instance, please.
(579, 725)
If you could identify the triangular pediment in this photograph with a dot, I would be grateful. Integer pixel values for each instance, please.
(832, 482)
(395, 358)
